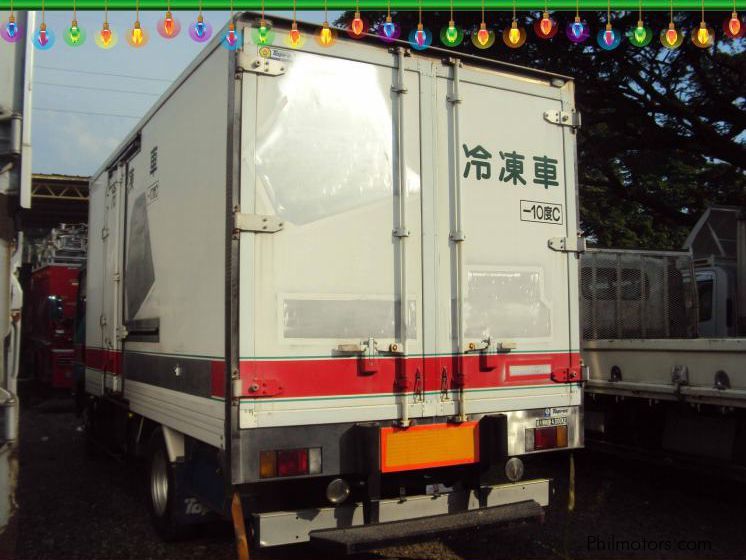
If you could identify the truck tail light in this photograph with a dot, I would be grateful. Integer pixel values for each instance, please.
(551, 437)
(268, 464)
(292, 462)
(289, 462)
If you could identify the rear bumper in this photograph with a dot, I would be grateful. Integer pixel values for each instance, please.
(363, 539)
(344, 529)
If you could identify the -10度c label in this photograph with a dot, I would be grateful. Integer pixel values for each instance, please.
(542, 212)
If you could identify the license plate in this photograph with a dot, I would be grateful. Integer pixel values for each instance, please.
(558, 421)
(428, 446)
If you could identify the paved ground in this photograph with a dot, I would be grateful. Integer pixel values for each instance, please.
(72, 507)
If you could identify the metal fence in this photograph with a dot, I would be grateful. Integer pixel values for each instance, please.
(637, 294)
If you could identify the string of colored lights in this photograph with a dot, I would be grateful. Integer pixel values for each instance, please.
(419, 38)
(365, 5)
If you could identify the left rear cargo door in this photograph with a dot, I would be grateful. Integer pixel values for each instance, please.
(321, 329)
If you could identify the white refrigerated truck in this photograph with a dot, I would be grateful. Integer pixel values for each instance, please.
(333, 291)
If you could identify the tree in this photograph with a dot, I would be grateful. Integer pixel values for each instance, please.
(663, 131)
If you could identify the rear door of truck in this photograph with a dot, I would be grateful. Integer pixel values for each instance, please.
(516, 167)
(321, 286)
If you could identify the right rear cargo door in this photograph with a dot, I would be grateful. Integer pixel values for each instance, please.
(517, 179)
(321, 323)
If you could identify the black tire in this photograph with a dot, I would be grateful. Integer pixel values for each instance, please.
(161, 488)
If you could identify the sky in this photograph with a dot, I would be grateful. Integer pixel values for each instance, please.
(86, 99)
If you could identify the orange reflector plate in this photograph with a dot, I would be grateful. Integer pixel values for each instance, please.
(433, 445)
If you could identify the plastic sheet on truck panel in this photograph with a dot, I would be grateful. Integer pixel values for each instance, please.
(346, 106)
(344, 318)
(507, 303)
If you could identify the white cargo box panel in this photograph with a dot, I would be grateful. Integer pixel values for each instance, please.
(155, 312)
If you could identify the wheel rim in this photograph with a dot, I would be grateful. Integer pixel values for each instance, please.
(159, 484)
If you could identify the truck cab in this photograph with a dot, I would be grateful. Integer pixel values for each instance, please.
(716, 294)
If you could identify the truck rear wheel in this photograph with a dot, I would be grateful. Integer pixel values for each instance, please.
(162, 490)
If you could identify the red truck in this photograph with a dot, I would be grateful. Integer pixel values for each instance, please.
(51, 312)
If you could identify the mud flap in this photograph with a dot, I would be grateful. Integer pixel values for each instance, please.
(188, 509)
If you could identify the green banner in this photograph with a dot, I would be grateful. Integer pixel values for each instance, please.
(648, 5)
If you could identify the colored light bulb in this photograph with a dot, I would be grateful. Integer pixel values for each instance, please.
(200, 28)
(451, 32)
(294, 35)
(609, 34)
(106, 34)
(357, 25)
(734, 25)
(137, 36)
(325, 37)
(545, 24)
(43, 39)
(168, 24)
(262, 33)
(169, 27)
(419, 35)
(640, 32)
(199, 31)
(703, 35)
(389, 28)
(672, 36)
(483, 36)
(11, 27)
(514, 35)
(74, 32)
(231, 36)
(577, 27)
